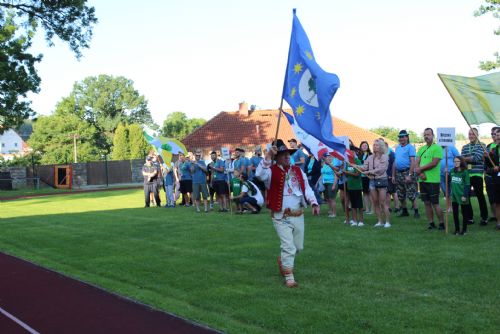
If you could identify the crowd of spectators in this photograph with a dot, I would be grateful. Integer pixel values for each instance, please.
(379, 180)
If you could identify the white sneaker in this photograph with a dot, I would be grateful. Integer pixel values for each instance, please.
(353, 223)
(361, 224)
(369, 212)
(379, 224)
(331, 215)
(387, 225)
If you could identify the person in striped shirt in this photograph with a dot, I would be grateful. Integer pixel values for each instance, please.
(473, 154)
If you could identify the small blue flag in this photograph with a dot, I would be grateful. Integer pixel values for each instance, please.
(308, 89)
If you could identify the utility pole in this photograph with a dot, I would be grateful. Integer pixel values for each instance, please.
(75, 136)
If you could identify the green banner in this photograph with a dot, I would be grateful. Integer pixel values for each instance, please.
(477, 98)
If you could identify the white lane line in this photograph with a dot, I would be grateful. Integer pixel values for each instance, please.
(19, 322)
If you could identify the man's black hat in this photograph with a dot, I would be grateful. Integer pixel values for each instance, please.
(282, 148)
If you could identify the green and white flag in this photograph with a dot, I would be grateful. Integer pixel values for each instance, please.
(477, 98)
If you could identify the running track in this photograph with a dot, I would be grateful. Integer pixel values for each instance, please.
(36, 300)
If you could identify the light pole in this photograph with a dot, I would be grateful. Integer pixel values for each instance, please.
(75, 136)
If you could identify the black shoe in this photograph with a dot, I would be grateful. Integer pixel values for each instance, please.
(456, 232)
(397, 210)
(463, 233)
(497, 227)
(416, 215)
(403, 213)
(470, 222)
(492, 219)
(483, 222)
(431, 226)
(441, 227)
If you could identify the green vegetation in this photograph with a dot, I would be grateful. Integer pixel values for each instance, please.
(493, 7)
(71, 21)
(178, 125)
(220, 270)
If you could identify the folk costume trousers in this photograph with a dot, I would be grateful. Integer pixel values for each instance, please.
(291, 233)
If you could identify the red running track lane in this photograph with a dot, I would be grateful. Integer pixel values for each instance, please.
(51, 303)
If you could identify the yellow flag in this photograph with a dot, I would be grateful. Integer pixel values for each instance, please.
(477, 98)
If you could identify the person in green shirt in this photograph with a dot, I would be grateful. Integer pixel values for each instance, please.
(460, 186)
(236, 190)
(428, 171)
(354, 192)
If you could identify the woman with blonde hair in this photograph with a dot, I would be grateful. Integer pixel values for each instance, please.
(375, 167)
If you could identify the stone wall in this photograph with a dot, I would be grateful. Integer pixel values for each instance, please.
(18, 175)
(79, 175)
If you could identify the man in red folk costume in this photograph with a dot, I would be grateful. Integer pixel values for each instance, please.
(288, 191)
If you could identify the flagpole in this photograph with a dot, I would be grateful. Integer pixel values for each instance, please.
(446, 188)
(284, 83)
(466, 121)
(280, 110)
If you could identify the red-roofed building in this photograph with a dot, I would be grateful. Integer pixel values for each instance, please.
(249, 128)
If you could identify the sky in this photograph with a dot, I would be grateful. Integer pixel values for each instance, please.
(204, 57)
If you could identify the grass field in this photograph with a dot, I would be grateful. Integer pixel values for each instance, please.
(220, 270)
(29, 191)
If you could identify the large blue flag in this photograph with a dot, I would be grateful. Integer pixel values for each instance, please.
(308, 89)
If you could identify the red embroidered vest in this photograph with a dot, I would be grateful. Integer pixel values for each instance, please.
(275, 192)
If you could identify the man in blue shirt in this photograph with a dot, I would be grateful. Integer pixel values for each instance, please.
(241, 163)
(199, 170)
(404, 175)
(183, 166)
(299, 157)
(219, 182)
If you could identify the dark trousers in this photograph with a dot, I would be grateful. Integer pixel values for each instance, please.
(465, 208)
(477, 183)
(490, 189)
(151, 188)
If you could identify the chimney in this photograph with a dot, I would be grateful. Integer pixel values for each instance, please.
(243, 109)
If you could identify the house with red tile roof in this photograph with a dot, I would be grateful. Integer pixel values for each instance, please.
(249, 128)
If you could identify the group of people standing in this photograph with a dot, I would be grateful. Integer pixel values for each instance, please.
(198, 182)
(289, 180)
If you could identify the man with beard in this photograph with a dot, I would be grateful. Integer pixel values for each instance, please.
(428, 170)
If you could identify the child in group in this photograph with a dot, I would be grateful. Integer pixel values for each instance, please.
(354, 193)
(460, 186)
(236, 190)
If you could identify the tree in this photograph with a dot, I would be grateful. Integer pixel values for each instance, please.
(138, 144)
(178, 126)
(392, 134)
(106, 101)
(70, 20)
(121, 143)
(52, 137)
(490, 6)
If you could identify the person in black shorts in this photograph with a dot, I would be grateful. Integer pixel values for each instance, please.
(429, 173)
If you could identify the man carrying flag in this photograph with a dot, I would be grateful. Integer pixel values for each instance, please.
(308, 90)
